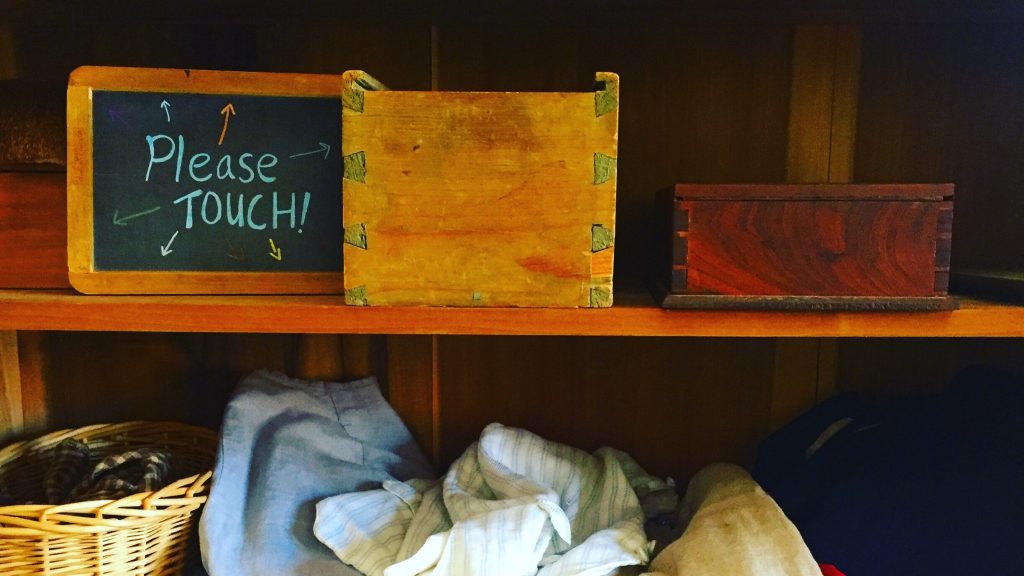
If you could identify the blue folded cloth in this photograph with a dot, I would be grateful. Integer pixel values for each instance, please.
(285, 445)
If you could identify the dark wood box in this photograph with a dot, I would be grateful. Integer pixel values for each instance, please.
(806, 246)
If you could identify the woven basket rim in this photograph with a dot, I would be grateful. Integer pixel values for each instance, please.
(180, 497)
(16, 449)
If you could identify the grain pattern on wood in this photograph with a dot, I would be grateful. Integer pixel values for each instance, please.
(794, 378)
(479, 199)
(413, 388)
(867, 248)
(8, 58)
(35, 402)
(828, 368)
(845, 95)
(944, 103)
(320, 357)
(117, 377)
(33, 230)
(810, 104)
(624, 392)
(635, 315)
(823, 103)
(362, 355)
(11, 415)
(887, 370)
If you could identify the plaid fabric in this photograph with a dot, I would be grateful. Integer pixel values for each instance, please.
(124, 474)
(69, 462)
(5, 495)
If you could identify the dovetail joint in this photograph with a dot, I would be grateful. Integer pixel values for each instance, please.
(356, 235)
(355, 166)
(604, 168)
(356, 296)
(601, 238)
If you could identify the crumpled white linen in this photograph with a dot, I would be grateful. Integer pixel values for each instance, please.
(513, 504)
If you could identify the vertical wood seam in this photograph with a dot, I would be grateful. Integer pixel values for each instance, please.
(8, 52)
(435, 57)
(13, 418)
(435, 400)
(832, 102)
(820, 73)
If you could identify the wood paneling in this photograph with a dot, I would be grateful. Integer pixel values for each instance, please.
(889, 370)
(33, 230)
(320, 357)
(945, 103)
(846, 85)
(23, 409)
(795, 374)
(413, 388)
(34, 393)
(8, 58)
(97, 378)
(674, 404)
(11, 419)
(296, 43)
(364, 355)
(823, 104)
(699, 103)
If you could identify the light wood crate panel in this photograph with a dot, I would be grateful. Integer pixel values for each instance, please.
(478, 198)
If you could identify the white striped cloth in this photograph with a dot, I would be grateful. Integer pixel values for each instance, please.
(513, 504)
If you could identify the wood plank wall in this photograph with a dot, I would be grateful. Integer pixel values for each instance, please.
(709, 101)
(943, 102)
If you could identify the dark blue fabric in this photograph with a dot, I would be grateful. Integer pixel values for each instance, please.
(935, 487)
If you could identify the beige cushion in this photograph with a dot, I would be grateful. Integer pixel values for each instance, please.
(733, 527)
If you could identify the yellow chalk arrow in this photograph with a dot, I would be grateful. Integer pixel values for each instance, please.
(275, 252)
(228, 111)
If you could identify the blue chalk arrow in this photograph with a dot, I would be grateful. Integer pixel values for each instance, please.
(123, 221)
(324, 147)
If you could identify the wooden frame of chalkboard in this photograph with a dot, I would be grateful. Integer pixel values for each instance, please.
(104, 239)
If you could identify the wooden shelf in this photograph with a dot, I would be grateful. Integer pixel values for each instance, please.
(633, 315)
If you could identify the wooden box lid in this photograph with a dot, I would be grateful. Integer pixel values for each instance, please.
(801, 192)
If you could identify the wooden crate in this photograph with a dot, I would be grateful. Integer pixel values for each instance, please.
(806, 246)
(477, 198)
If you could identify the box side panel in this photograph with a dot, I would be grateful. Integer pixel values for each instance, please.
(478, 199)
(33, 230)
(943, 247)
(812, 248)
(680, 247)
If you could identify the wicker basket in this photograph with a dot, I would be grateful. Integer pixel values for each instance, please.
(143, 534)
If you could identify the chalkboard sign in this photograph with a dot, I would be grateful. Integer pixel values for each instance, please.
(189, 181)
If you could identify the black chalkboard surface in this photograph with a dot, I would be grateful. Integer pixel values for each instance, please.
(206, 182)
(216, 182)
